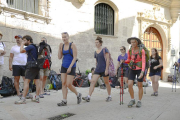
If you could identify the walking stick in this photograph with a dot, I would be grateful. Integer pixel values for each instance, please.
(121, 84)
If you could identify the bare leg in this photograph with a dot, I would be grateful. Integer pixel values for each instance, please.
(26, 87)
(16, 84)
(43, 84)
(69, 84)
(156, 79)
(153, 83)
(140, 86)
(106, 81)
(130, 87)
(93, 83)
(38, 87)
(64, 86)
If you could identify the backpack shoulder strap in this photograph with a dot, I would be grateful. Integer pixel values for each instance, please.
(3, 44)
(130, 51)
(70, 49)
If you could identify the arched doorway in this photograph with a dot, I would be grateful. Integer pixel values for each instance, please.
(152, 39)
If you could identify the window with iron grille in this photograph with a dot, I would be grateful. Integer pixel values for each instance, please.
(25, 5)
(104, 19)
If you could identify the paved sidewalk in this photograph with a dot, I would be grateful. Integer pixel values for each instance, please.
(164, 107)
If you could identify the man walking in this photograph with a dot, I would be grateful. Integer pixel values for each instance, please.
(32, 71)
(44, 52)
(17, 63)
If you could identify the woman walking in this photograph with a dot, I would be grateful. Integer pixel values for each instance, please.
(156, 64)
(69, 53)
(137, 62)
(122, 58)
(102, 67)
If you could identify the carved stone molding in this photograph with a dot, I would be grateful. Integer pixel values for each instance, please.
(154, 17)
(81, 1)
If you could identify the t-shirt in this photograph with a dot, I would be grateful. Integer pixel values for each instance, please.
(153, 63)
(19, 58)
(2, 47)
(123, 58)
(179, 62)
(31, 50)
(101, 62)
(90, 76)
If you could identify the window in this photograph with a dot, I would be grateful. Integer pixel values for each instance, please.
(104, 19)
(25, 5)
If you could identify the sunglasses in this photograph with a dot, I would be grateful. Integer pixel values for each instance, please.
(121, 49)
(64, 33)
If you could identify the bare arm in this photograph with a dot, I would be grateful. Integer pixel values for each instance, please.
(74, 55)
(22, 50)
(60, 51)
(107, 61)
(10, 61)
(161, 63)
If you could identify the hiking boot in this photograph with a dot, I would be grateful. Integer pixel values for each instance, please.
(131, 103)
(62, 103)
(29, 96)
(108, 99)
(36, 100)
(87, 99)
(79, 98)
(138, 105)
(21, 101)
(102, 87)
(41, 96)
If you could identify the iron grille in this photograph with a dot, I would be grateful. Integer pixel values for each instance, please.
(104, 19)
(25, 5)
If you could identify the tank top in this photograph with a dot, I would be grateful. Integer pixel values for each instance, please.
(67, 58)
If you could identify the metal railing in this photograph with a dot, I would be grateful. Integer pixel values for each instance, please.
(25, 5)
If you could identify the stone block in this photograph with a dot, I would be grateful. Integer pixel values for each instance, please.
(7, 34)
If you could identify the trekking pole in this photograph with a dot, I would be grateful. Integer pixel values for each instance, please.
(145, 80)
(121, 84)
(175, 78)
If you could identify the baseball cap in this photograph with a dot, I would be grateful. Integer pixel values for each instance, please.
(18, 36)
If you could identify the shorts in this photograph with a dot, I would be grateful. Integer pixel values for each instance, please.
(32, 73)
(133, 74)
(125, 73)
(44, 72)
(18, 70)
(156, 73)
(102, 74)
(64, 70)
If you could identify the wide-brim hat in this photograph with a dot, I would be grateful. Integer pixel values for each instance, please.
(133, 38)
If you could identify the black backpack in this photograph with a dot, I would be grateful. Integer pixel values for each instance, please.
(8, 88)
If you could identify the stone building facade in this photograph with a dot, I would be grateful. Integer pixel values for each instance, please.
(156, 22)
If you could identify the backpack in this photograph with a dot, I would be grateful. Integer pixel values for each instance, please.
(111, 70)
(44, 62)
(55, 80)
(147, 57)
(8, 88)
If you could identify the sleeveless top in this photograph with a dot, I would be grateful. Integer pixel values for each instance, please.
(67, 57)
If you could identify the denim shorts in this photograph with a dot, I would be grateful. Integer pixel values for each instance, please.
(155, 73)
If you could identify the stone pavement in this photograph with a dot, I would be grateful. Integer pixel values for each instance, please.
(164, 107)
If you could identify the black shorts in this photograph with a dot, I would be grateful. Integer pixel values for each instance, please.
(125, 73)
(32, 73)
(19, 70)
(64, 70)
(102, 74)
(133, 74)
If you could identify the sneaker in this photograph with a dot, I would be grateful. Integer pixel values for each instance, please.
(29, 96)
(36, 100)
(131, 103)
(156, 94)
(79, 98)
(41, 96)
(62, 103)
(87, 99)
(153, 94)
(108, 99)
(21, 101)
(138, 105)
(102, 87)
(20, 96)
